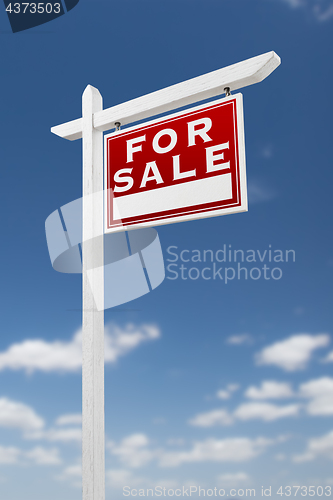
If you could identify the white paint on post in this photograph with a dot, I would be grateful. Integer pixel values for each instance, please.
(93, 446)
(212, 84)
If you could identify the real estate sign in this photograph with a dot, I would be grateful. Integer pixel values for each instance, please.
(184, 166)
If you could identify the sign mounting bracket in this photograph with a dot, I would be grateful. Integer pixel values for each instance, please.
(203, 87)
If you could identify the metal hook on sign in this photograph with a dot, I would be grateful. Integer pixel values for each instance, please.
(227, 91)
(117, 125)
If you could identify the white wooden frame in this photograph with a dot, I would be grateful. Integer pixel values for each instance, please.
(236, 76)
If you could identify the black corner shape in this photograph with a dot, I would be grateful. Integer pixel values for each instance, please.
(70, 4)
(24, 15)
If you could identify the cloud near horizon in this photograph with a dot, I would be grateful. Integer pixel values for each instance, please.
(66, 356)
(136, 451)
(36, 456)
(317, 447)
(218, 450)
(69, 419)
(16, 415)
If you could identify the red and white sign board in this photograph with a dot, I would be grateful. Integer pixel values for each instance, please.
(185, 166)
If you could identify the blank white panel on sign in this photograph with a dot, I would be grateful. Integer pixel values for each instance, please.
(172, 197)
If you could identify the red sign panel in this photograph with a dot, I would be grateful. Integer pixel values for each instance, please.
(185, 166)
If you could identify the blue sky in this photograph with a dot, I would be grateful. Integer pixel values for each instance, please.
(218, 385)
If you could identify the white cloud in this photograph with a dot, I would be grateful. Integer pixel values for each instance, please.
(243, 338)
(223, 394)
(119, 342)
(265, 411)
(69, 419)
(36, 456)
(211, 418)
(320, 393)
(64, 435)
(293, 353)
(283, 438)
(294, 3)
(70, 472)
(232, 387)
(322, 10)
(9, 455)
(43, 456)
(267, 151)
(321, 14)
(175, 442)
(159, 421)
(37, 354)
(72, 434)
(73, 473)
(317, 387)
(226, 393)
(16, 415)
(329, 358)
(232, 479)
(214, 450)
(258, 192)
(118, 478)
(62, 356)
(133, 450)
(317, 447)
(270, 389)
(251, 410)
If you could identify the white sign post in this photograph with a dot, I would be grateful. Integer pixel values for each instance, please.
(93, 467)
(90, 128)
